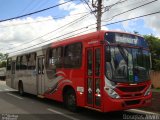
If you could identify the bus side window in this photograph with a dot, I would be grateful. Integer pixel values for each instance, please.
(48, 54)
(51, 58)
(89, 62)
(50, 62)
(9, 64)
(13, 67)
(73, 55)
(18, 63)
(59, 57)
(67, 57)
(55, 58)
(23, 62)
(32, 61)
(97, 62)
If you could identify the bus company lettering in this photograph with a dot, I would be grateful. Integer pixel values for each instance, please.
(93, 42)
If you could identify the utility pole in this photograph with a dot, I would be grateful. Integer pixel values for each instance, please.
(98, 7)
(99, 14)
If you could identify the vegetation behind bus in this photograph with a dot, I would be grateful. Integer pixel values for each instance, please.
(154, 45)
(3, 60)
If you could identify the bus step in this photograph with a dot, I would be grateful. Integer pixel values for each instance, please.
(40, 96)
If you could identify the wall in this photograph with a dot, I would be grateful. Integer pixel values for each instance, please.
(155, 77)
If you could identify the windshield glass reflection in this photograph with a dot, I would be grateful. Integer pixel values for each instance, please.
(128, 64)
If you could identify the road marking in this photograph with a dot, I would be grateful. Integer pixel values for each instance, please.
(7, 89)
(15, 96)
(141, 111)
(62, 114)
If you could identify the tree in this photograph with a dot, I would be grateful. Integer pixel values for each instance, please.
(3, 60)
(154, 45)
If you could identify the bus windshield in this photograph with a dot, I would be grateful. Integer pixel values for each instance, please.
(127, 64)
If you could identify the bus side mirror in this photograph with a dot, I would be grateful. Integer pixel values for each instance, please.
(108, 54)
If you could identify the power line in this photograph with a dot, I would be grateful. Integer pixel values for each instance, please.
(35, 11)
(99, 10)
(41, 4)
(132, 18)
(132, 9)
(92, 28)
(55, 41)
(110, 6)
(54, 38)
(130, 4)
(89, 7)
(28, 5)
(113, 16)
(54, 18)
(50, 31)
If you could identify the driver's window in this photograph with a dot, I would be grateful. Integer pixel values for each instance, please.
(120, 64)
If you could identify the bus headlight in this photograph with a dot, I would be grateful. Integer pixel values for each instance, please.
(148, 91)
(109, 88)
(112, 93)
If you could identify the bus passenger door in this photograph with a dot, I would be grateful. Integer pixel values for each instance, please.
(93, 77)
(13, 67)
(40, 76)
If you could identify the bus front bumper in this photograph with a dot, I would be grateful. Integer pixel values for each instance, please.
(124, 104)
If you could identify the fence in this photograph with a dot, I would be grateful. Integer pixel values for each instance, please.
(155, 77)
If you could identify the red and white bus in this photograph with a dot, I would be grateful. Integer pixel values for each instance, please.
(104, 71)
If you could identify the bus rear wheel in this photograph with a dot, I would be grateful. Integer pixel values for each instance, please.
(20, 89)
(70, 100)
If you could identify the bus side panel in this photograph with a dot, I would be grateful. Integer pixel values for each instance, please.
(28, 79)
(8, 78)
(73, 78)
(77, 78)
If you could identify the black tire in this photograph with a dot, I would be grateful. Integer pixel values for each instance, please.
(70, 100)
(20, 89)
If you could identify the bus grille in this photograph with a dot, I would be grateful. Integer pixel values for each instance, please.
(132, 89)
(132, 102)
(131, 95)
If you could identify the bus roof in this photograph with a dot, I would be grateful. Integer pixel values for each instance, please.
(71, 40)
(87, 36)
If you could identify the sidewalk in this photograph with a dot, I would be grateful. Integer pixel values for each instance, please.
(4, 87)
(155, 107)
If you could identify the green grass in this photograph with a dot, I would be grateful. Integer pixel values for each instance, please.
(156, 90)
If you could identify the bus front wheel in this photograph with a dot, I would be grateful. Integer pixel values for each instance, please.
(70, 100)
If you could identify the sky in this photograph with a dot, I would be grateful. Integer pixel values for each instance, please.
(36, 30)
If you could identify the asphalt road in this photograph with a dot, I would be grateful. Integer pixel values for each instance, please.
(30, 107)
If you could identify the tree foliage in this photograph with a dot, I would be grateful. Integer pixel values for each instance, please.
(154, 45)
(3, 60)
